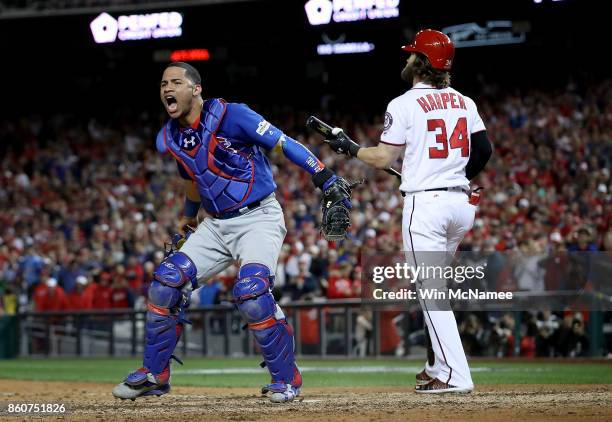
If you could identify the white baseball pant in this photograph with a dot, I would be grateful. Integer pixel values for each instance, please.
(437, 221)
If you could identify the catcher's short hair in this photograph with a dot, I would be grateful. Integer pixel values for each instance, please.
(191, 72)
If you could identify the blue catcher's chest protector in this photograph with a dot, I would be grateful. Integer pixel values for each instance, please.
(229, 174)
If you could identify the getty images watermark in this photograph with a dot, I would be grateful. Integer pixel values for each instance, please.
(494, 281)
(424, 273)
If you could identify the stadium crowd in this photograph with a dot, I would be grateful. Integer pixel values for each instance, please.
(87, 204)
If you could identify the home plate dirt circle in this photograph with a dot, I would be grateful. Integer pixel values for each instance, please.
(93, 401)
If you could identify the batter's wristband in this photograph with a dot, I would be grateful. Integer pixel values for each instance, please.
(354, 149)
(191, 208)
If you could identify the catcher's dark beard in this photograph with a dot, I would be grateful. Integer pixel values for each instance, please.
(408, 73)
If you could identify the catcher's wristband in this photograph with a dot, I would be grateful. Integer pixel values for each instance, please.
(321, 177)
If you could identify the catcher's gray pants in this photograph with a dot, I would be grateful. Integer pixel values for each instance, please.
(253, 237)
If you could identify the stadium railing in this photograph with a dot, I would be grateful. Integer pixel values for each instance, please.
(218, 330)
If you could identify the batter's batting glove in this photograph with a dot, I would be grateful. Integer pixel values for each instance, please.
(342, 144)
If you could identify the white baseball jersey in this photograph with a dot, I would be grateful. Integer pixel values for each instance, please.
(436, 127)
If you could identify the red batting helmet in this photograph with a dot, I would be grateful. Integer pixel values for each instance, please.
(436, 46)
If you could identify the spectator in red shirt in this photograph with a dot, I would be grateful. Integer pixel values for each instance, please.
(102, 299)
(340, 284)
(39, 296)
(389, 338)
(135, 274)
(56, 297)
(51, 297)
(309, 329)
(121, 295)
(76, 298)
(528, 342)
(89, 292)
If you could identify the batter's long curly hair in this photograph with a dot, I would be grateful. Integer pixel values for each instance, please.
(434, 77)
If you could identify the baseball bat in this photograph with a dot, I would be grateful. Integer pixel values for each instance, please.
(324, 129)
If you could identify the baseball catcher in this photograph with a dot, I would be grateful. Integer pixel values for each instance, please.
(219, 148)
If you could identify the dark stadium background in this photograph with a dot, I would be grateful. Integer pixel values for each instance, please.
(263, 52)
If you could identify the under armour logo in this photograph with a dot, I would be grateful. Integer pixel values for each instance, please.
(189, 143)
(189, 139)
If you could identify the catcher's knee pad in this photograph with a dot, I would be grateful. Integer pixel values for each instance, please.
(176, 270)
(169, 295)
(252, 293)
(267, 322)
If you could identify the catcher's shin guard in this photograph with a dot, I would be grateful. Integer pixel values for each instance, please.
(168, 297)
(270, 329)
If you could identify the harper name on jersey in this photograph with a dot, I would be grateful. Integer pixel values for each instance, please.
(441, 101)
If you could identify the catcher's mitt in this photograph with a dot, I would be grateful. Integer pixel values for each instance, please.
(336, 205)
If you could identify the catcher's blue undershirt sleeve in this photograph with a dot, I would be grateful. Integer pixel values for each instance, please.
(300, 155)
(243, 123)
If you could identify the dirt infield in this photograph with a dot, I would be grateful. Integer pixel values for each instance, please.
(91, 401)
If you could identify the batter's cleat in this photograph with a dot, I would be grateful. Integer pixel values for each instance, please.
(422, 378)
(436, 386)
(281, 392)
(142, 383)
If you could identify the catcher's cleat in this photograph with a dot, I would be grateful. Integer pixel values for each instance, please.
(142, 383)
(281, 392)
(422, 378)
(435, 386)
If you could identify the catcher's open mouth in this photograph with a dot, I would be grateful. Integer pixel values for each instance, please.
(171, 103)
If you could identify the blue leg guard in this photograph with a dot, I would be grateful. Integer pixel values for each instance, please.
(269, 326)
(169, 295)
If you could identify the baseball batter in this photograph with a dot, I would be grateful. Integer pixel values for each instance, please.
(445, 145)
(219, 149)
